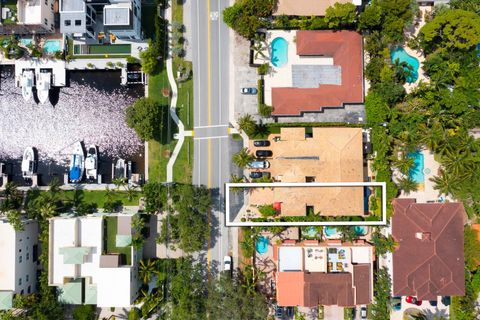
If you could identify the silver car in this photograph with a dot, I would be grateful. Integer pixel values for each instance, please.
(259, 164)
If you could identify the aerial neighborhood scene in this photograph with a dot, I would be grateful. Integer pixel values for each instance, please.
(240, 159)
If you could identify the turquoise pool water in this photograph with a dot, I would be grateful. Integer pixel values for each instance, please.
(261, 245)
(330, 231)
(311, 232)
(400, 54)
(416, 172)
(52, 46)
(360, 230)
(26, 42)
(279, 52)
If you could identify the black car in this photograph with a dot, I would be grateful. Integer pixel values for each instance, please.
(258, 174)
(261, 143)
(263, 153)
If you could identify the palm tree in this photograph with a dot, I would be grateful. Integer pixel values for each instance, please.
(47, 210)
(445, 183)
(407, 184)
(131, 192)
(259, 45)
(402, 70)
(119, 182)
(242, 158)
(146, 268)
(247, 124)
(457, 163)
(404, 164)
(236, 179)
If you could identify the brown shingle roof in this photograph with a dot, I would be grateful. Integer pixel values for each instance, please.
(429, 261)
(301, 288)
(361, 280)
(346, 49)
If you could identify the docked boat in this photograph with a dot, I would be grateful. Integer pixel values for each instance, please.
(120, 169)
(26, 83)
(91, 163)
(29, 163)
(77, 163)
(43, 86)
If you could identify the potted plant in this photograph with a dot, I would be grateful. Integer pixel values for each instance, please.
(90, 65)
(119, 64)
(110, 64)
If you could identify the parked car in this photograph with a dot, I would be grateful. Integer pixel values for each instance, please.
(261, 143)
(363, 312)
(263, 153)
(396, 303)
(250, 90)
(259, 164)
(433, 303)
(227, 263)
(259, 174)
(413, 300)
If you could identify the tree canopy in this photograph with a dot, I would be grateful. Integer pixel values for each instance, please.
(146, 117)
(247, 16)
(341, 15)
(457, 29)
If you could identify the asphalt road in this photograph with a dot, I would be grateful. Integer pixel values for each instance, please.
(211, 167)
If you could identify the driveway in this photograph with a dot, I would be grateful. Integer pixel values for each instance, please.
(332, 312)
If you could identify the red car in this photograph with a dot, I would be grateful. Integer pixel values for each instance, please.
(413, 300)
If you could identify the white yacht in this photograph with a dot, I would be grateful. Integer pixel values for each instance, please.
(91, 163)
(26, 82)
(29, 163)
(43, 86)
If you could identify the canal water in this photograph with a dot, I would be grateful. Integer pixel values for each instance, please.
(90, 109)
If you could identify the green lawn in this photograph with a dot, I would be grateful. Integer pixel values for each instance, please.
(110, 245)
(106, 49)
(182, 170)
(159, 151)
(98, 197)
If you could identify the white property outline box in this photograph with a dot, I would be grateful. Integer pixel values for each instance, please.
(382, 222)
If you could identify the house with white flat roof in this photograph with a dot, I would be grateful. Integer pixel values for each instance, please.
(31, 17)
(92, 260)
(97, 21)
(19, 257)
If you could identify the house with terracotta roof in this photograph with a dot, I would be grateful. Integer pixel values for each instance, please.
(309, 274)
(307, 8)
(312, 70)
(429, 259)
(327, 154)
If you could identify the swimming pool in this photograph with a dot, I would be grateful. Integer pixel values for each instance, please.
(416, 171)
(279, 52)
(52, 46)
(310, 232)
(330, 231)
(360, 230)
(400, 54)
(261, 245)
(26, 41)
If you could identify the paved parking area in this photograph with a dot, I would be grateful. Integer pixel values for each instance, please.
(430, 311)
(245, 76)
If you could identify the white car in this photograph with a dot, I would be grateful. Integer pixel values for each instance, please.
(227, 263)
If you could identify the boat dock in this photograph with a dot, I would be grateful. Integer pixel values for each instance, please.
(57, 67)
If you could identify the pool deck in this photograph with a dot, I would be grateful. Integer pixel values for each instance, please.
(282, 77)
(418, 24)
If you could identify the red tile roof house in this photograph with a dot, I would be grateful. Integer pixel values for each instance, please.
(345, 47)
(309, 274)
(429, 261)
